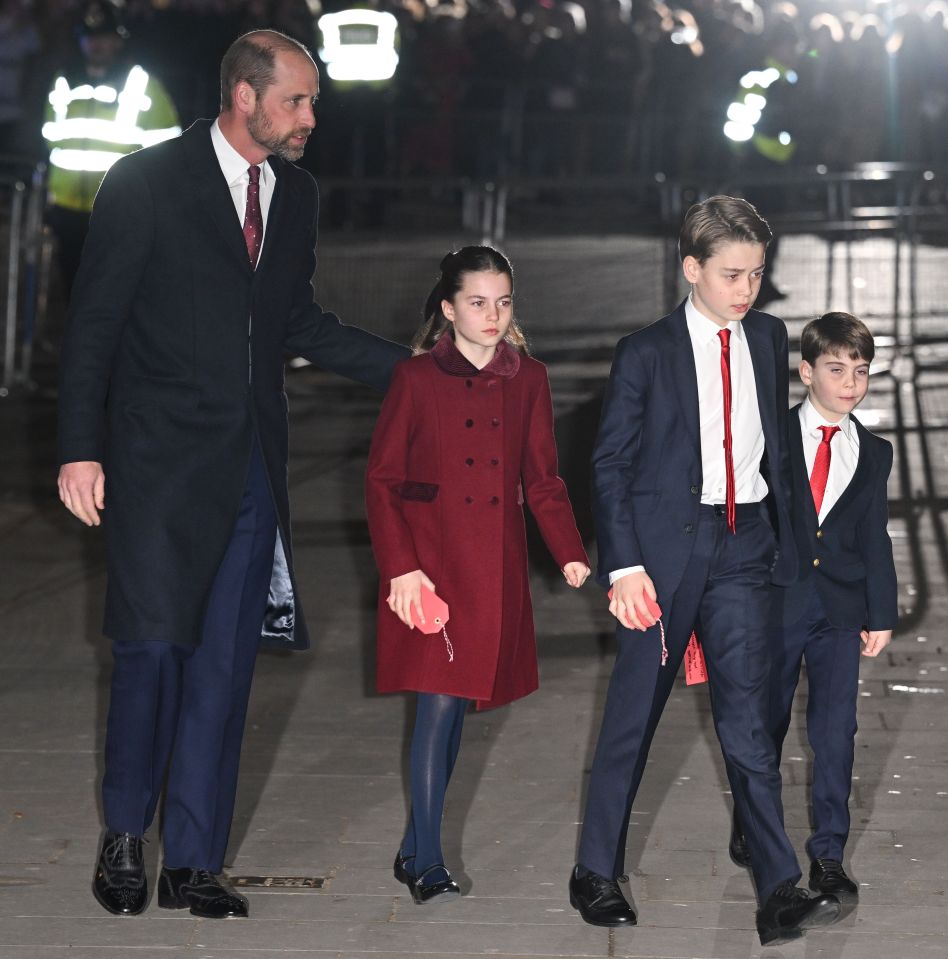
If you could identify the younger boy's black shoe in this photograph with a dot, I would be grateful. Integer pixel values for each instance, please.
(828, 876)
(790, 910)
(737, 846)
(201, 892)
(599, 900)
(119, 883)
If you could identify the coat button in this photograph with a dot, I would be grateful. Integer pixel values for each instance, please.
(469, 383)
(495, 422)
(695, 491)
(494, 501)
(495, 462)
(689, 528)
(469, 423)
(819, 534)
(468, 499)
(816, 562)
(469, 461)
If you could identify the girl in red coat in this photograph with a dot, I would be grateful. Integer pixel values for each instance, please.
(465, 436)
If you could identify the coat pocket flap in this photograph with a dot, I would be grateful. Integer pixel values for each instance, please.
(417, 492)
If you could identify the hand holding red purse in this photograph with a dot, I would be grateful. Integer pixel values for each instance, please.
(436, 615)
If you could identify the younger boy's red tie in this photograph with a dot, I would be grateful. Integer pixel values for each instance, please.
(253, 218)
(730, 496)
(821, 466)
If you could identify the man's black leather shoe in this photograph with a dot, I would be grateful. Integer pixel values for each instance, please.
(400, 869)
(201, 892)
(737, 846)
(433, 885)
(790, 910)
(599, 900)
(119, 883)
(828, 876)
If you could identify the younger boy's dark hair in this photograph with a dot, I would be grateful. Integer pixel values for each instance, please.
(718, 220)
(836, 334)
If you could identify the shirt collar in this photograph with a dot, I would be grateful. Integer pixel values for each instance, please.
(233, 165)
(505, 361)
(703, 330)
(812, 421)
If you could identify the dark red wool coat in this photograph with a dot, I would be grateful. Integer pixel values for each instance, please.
(454, 454)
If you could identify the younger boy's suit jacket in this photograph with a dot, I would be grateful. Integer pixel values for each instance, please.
(647, 473)
(849, 555)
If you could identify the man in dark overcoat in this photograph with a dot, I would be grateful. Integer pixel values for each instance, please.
(195, 282)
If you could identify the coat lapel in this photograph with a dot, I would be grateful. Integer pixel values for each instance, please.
(213, 192)
(684, 375)
(278, 205)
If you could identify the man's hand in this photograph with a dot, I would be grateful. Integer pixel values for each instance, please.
(82, 490)
(874, 641)
(404, 591)
(576, 574)
(628, 600)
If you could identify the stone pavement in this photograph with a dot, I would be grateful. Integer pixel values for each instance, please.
(322, 795)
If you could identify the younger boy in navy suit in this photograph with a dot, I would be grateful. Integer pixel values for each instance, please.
(844, 600)
(691, 500)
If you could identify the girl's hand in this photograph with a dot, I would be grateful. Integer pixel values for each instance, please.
(576, 574)
(404, 591)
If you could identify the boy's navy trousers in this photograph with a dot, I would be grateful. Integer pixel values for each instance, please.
(832, 668)
(189, 707)
(725, 594)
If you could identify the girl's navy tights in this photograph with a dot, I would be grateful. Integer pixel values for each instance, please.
(435, 741)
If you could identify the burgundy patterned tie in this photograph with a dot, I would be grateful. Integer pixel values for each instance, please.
(821, 466)
(730, 494)
(253, 219)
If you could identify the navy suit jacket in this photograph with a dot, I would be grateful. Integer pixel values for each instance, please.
(855, 575)
(647, 472)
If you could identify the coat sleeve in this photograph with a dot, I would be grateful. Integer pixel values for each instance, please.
(392, 541)
(544, 489)
(620, 431)
(876, 546)
(319, 336)
(114, 257)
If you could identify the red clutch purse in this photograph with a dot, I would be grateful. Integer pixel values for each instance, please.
(435, 610)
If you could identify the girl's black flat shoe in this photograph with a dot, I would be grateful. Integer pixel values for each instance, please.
(399, 870)
(440, 890)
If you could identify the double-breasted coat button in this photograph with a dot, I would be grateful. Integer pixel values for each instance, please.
(469, 383)
(689, 528)
(695, 491)
(469, 423)
(816, 562)
(469, 461)
(494, 501)
(468, 499)
(495, 462)
(495, 422)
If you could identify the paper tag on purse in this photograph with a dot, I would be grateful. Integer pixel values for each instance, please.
(696, 671)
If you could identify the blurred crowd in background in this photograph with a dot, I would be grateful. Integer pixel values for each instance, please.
(552, 87)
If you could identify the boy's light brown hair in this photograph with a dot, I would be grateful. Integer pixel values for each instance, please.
(719, 220)
(836, 334)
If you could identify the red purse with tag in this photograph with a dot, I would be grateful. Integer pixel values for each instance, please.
(437, 615)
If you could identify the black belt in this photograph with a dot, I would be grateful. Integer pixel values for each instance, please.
(743, 511)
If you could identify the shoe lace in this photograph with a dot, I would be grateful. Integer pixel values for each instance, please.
(124, 851)
(791, 892)
(830, 867)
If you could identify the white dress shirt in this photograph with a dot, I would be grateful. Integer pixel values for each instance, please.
(747, 442)
(844, 453)
(235, 169)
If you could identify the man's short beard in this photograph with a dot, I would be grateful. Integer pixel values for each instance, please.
(261, 129)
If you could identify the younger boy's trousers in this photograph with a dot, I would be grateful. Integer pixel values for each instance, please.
(725, 593)
(832, 669)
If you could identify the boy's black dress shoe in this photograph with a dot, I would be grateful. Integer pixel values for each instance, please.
(399, 869)
(433, 885)
(828, 876)
(202, 892)
(790, 910)
(599, 900)
(737, 846)
(119, 883)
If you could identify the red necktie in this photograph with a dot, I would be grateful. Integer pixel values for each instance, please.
(730, 498)
(253, 219)
(821, 466)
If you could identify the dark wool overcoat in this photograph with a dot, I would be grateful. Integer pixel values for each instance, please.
(455, 453)
(172, 365)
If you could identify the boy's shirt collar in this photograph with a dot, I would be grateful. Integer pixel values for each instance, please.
(703, 330)
(812, 420)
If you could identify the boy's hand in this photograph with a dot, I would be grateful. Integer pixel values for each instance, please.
(628, 600)
(874, 641)
(404, 591)
(576, 574)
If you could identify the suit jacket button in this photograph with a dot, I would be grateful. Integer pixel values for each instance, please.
(819, 534)
(695, 491)
(816, 562)
(689, 528)
(469, 423)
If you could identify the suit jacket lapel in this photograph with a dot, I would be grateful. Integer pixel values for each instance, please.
(684, 375)
(857, 481)
(762, 359)
(801, 479)
(213, 192)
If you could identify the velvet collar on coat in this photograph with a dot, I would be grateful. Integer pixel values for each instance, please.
(505, 362)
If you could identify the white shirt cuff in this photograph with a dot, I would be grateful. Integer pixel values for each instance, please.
(619, 573)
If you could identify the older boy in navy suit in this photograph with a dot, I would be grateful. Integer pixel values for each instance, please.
(690, 486)
(845, 597)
